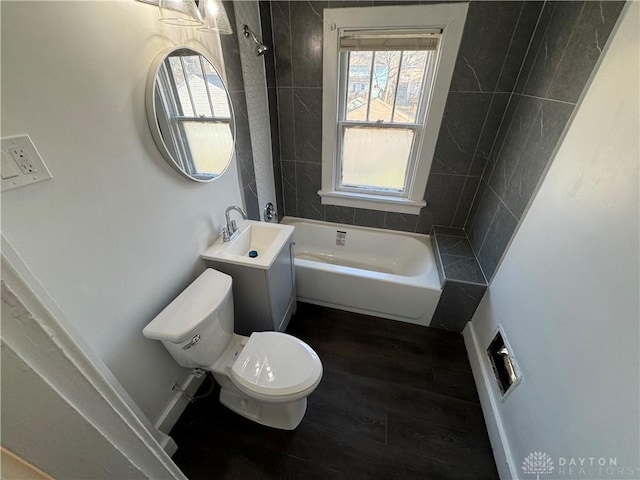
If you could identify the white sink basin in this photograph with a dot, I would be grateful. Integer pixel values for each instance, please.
(265, 238)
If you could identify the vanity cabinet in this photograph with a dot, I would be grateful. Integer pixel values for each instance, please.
(264, 299)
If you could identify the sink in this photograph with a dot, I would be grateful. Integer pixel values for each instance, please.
(265, 238)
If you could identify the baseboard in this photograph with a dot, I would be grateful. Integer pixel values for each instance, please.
(507, 468)
(175, 407)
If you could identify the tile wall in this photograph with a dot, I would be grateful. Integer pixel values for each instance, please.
(462, 281)
(568, 40)
(520, 71)
(494, 42)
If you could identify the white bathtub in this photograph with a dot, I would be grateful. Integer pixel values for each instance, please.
(382, 273)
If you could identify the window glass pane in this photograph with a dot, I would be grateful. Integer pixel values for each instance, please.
(219, 100)
(410, 86)
(383, 87)
(359, 79)
(183, 94)
(376, 157)
(394, 92)
(195, 78)
(210, 144)
(217, 91)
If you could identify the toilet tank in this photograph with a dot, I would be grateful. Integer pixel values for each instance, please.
(197, 325)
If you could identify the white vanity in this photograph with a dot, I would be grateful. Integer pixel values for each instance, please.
(264, 289)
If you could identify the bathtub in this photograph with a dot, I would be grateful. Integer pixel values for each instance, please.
(382, 273)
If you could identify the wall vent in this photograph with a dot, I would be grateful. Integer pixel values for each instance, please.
(503, 363)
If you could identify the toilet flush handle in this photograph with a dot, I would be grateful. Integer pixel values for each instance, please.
(194, 341)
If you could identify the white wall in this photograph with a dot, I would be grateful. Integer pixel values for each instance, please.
(58, 411)
(116, 234)
(567, 292)
(80, 449)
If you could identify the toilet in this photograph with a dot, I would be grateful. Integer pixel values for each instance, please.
(265, 377)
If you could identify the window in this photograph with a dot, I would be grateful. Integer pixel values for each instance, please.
(386, 79)
(195, 113)
(383, 94)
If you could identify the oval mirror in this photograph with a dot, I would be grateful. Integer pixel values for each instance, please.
(190, 114)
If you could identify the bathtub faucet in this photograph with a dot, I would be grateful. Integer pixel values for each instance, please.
(230, 230)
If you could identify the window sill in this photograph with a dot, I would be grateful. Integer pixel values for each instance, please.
(372, 202)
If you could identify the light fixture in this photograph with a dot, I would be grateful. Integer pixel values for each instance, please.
(214, 17)
(179, 12)
(207, 15)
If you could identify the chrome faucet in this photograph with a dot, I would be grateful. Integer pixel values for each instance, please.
(231, 229)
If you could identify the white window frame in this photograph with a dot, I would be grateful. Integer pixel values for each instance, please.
(448, 17)
(172, 116)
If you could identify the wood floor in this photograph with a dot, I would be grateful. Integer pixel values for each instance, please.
(396, 401)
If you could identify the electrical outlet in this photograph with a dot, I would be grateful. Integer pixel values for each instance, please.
(23, 159)
(21, 163)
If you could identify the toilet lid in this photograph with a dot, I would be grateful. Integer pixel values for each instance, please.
(273, 363)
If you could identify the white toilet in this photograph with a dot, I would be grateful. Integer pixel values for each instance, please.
(265, 377)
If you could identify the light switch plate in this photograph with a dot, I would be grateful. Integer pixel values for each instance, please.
(21, 163)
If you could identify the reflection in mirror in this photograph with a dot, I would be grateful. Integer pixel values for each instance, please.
(192, 118)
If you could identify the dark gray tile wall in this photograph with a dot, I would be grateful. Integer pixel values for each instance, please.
(457, 304)
(235, 84)
(494, 42)
(563, 51)
(461, 278)
(521, 68)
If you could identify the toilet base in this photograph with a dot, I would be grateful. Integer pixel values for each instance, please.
(285, 416)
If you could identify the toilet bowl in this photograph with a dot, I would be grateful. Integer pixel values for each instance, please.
(265, 377)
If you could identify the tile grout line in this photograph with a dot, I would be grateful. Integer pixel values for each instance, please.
(500, 201)
(290, 41)
(493, 146)
(468, 282)
(526, 54)
(546, 98)
(566, 46)
(493, 95)
(504, 203)
(509, 47)
(452, 175)
(493, 216)
(479, 93)
(513, 34)
(293, 114)
(497, 82)
(544, 36)
(475, 255)
(458, 256)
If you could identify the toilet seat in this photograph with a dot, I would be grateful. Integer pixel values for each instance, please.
(276, 367)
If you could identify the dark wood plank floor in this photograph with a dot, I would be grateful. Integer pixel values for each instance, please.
(396, 401)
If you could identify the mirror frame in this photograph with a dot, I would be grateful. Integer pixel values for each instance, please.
(152, 118)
